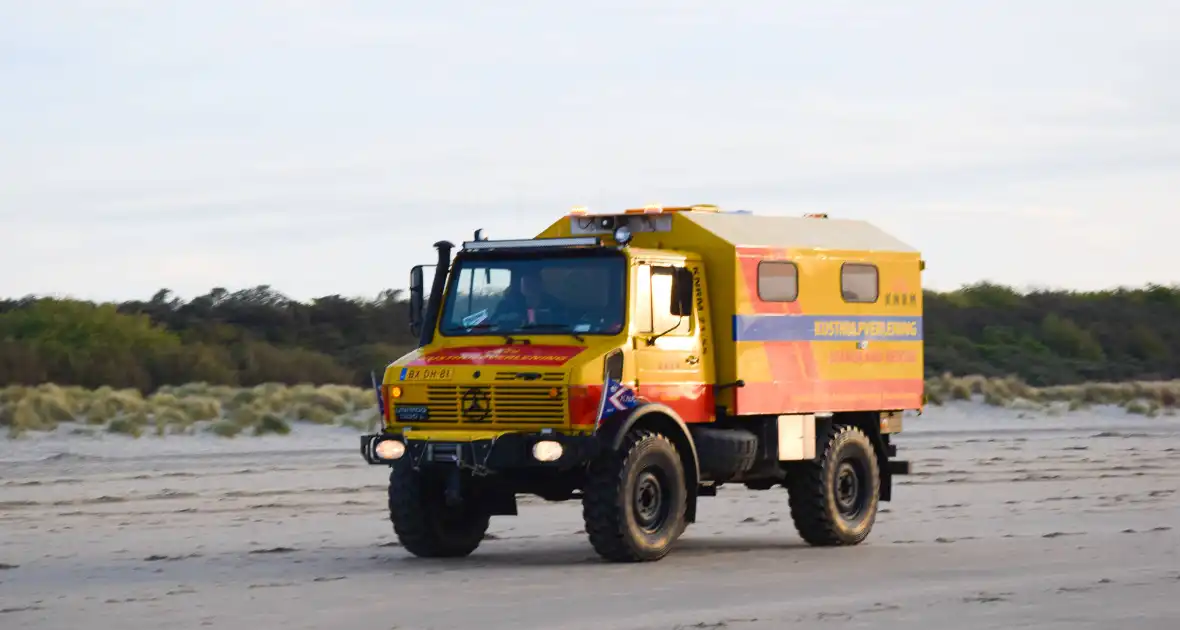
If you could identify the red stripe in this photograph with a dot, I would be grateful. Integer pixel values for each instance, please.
(531, 354)
(693, 402)
(845, 395)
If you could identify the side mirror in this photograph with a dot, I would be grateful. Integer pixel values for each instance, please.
(417, 299)
(682, 292)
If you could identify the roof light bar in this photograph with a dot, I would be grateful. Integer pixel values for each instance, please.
(656, 208)
(531, 243)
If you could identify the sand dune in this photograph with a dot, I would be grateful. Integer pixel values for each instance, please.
(1069, 521)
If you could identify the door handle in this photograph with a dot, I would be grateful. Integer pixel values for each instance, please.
(692, 360)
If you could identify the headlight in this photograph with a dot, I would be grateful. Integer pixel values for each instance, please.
(389, 449)
(547, 451)
(623, 235)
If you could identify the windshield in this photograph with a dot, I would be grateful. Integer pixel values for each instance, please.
(583, 295)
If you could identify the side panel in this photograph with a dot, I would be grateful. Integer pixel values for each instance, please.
(821, 352)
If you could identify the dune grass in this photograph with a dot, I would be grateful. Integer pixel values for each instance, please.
(1150, 398)
(268, 409)
(274, 409)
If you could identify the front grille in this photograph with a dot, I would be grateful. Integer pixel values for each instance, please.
(525, 377)
(484, 404)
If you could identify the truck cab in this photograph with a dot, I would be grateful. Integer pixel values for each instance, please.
(637, 361)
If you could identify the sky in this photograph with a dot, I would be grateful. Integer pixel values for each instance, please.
(321, 146)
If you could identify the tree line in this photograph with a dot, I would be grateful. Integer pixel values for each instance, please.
(258, 335)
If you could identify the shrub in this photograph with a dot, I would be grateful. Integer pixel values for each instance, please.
(225, 428)
(246, 416)
(313, 414)
(125, 426)
(199, 408)
(270, 423)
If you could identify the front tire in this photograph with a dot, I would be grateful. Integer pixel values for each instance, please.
(834, 499)
(635, 499)
(424, 524)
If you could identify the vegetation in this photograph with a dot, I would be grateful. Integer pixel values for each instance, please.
(255, 360)
(1136, 397)
(1054, 337)
(187, 410)
(257, 336)
(242, 339)
(271, 408)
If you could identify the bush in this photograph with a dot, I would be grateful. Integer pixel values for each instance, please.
(125, 426)
(313, 414)
(270, 423)
(225, 428)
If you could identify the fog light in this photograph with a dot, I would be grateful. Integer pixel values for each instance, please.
(390, 449)
(547, 451)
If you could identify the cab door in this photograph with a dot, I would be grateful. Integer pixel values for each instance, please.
(670, 367)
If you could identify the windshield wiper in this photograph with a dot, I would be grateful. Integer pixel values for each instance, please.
(508, 339)
(565, 328)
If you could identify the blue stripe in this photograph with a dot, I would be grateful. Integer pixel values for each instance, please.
(826, 328)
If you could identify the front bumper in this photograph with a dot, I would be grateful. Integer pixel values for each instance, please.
(502, 452)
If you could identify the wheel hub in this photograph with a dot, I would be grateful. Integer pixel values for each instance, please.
(650, 509)
(849, 495)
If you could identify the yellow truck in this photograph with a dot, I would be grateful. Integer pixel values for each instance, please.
(641, 359)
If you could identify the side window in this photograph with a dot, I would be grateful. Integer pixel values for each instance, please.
(778, 281)
(661, 304)
(643, 299)
(859, 282)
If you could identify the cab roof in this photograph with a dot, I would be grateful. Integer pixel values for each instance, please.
(752, 230)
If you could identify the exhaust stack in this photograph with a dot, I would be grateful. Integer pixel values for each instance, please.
(434, 302)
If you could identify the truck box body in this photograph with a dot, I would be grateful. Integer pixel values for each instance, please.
(782, 318)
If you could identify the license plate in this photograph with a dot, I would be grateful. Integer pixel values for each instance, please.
(428, 374)
(413, 413)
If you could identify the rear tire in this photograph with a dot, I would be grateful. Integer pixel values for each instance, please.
(635, 499)
(424, 524)
(834, 499)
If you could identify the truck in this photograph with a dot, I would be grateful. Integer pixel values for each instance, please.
(640, 360)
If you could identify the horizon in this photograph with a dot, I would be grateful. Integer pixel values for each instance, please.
(402, 292)
(321, 149)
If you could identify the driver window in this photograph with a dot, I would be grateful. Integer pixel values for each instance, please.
(661, 304)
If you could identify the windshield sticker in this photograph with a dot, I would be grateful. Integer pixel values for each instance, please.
(475, 318)
(580, 328)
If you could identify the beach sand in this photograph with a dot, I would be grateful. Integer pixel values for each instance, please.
(1070, 521)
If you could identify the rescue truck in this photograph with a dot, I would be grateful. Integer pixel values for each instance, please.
(640, 360)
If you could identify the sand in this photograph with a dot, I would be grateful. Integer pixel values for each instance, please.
(1044, 522)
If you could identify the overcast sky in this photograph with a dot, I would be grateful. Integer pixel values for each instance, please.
(322, 146)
